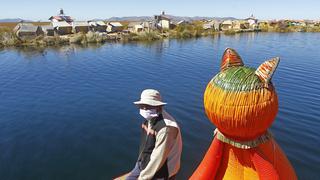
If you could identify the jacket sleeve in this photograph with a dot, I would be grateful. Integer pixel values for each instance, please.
(164, 141)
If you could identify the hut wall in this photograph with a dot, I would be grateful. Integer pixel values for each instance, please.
(99, 28)
(49, 32)
(83, 29)
(64, 30)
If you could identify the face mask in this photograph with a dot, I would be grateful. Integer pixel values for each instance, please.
(149, 113)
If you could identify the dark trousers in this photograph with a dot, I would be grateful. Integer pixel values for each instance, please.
(134, 174)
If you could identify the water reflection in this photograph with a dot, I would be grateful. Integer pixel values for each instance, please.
(30, 52)
(158, 46)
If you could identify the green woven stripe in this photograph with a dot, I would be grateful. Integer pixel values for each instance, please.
(238, 79)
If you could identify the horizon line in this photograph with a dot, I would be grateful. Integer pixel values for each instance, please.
(197, 16)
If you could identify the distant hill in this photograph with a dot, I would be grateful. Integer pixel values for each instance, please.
(130, 18)
(14, 20)
(136, 18)
(174, 18)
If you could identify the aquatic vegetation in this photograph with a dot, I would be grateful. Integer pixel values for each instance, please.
(181, 31)
(142, 36)
(93, 37)
(229, 32)
(187, 31)
(77, 38)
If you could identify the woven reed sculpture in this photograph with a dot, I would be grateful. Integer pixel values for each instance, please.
(242, 103)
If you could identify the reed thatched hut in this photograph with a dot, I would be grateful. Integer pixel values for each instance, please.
(27, 30)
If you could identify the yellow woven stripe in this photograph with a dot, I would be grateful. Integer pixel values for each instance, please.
(236, 164)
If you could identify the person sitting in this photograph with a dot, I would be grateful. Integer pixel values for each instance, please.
(161, 142)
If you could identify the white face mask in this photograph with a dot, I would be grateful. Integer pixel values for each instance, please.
(149, 113)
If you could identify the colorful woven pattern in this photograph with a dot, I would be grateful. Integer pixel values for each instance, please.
(266, 70)
(242, 103)
(242, 115)
(230, 58)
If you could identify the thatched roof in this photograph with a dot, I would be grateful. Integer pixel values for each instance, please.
(61, 18)
(115, 24)
(26, 27)
(132, 24)
(61, 24)
(227, 22)
(97, 23)
(47, 27)
(80, 23)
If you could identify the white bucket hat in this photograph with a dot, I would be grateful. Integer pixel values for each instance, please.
(150, 97)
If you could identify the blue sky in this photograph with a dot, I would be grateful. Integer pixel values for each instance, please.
(90, 9)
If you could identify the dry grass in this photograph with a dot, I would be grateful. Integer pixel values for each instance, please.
(8, 25)
(11, 25)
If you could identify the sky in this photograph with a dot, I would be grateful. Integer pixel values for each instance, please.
(90, 9)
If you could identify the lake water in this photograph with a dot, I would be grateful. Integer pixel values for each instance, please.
(67, 113)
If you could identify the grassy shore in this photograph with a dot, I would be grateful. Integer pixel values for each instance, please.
(192, 30)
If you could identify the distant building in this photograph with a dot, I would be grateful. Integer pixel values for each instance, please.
(114, 27)
(61, 17)
(80, 27)
(61, 23)
(262, 23)
(253, 22)
(213, 24)
(62, 27)
(207, 26)
(149, 26)
(282, 24)
(27, 30)
(236, 25)
(308, 23)
(162, 21)
(182, 22)
(216, 25)
(244, 24)
(135, 27)
(293, 23)
(98, 26)
(226, 25)
(272, 23)
(205, 20)
(48, 30)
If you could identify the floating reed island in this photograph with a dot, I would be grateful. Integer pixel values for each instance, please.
(62, 29)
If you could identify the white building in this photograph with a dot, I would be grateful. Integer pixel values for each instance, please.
(114, 27)
(80, 26)
(98, 26)
(61, 17)
(62, 27)
(135, 27)
(253, 22)
(226, 25)
(162, 21)
(61, 23)
(27, 30)
(213, 24)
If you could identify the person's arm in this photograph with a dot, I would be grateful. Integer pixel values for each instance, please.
(164, 141)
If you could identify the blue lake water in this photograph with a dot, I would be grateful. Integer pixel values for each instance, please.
(67, 113)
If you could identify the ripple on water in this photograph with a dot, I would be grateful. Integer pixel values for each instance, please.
(67, 112)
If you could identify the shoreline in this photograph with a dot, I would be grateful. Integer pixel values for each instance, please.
(8, 39)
